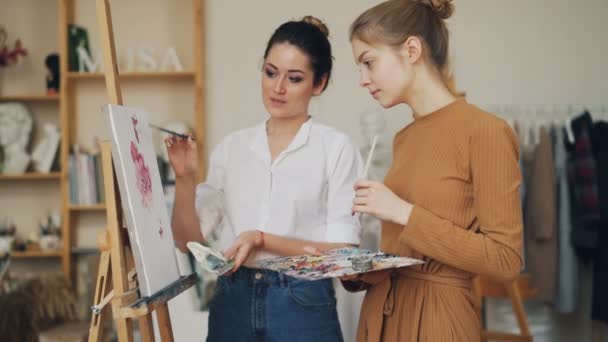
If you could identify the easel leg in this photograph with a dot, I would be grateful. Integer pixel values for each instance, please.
(146, 328)
(518, 308)
(124, 326)
(164, 323)
(103, 281)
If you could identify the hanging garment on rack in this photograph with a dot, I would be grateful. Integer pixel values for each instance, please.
(567, 270)
(582, 174)
(599, 310)
(540, 220)
(600, 147)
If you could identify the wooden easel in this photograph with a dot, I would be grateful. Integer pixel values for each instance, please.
(115, 283)
(516, 291)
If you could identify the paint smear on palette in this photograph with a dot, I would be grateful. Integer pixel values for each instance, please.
(333, 263)
(144, 183)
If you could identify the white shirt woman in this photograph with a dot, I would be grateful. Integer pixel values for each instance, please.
(305, 193)
(287, 186)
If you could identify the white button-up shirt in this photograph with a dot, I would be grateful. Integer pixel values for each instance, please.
(306, 193)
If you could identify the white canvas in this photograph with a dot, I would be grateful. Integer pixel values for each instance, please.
(142, 198)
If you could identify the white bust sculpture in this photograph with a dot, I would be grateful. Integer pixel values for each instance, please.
(15, 129)
(373, 123)
(44, 153)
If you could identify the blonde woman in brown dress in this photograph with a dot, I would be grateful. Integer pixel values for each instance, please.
(451, 196)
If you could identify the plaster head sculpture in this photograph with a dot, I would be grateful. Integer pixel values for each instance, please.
(373, 123)
(44, 153)
(15, 130)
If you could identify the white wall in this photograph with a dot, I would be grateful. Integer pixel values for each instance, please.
(522, 52)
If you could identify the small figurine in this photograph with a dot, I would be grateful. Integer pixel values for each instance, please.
(52, 77)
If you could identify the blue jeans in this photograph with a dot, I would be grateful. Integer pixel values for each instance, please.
(262, 305)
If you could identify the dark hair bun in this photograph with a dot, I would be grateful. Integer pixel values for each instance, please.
(443, 8)
(309, 19)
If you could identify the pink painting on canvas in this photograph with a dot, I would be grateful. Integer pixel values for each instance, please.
(142, 198)
(144, 183)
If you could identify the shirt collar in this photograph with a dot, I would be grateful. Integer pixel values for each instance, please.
(259, 141)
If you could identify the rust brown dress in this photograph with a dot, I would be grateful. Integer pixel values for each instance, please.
(459, 167)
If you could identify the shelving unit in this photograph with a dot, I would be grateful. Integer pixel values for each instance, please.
(36, 254)
(30, 176)
(24, 83)
(87, 207)
(70, 81)
(68, 118)
(29, 98)
(137, 75)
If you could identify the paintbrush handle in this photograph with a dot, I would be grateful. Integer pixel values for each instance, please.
(183, 136)
(370, 155)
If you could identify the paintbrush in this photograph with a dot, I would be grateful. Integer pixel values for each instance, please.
(179, 135)
(368, 162)
(370, 155)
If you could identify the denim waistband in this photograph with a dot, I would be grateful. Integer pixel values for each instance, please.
(254, 276)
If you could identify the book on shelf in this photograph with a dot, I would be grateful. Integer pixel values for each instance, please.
(85, 177)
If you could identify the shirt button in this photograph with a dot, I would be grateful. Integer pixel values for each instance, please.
(258, 276)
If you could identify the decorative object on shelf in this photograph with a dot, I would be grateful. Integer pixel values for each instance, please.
(45, 152)
(15, 131)
(53, 75)
(50, 233)
(32, 243)
(78, 44)
(10, 56)
(19, 245)
(144, 59)
(132, 60)
(171, 61)
(50, 243)
(5, 261)
(7, 235)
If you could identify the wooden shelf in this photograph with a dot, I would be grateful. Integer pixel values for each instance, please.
(36, 254)
(69, 104)
(135, 75)
(29, 98)
(31, 176)
(88, 207)
(85, 250)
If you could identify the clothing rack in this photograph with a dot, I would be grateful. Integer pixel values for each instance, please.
(541, 114)
(527, 120)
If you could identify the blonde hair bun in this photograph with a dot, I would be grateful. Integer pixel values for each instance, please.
(309, 19)
(443, 8)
